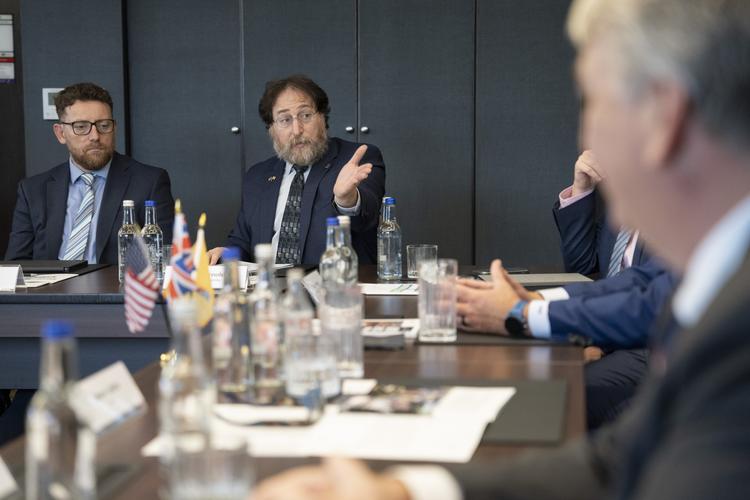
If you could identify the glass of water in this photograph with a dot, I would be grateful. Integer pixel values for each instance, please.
(311, 371)
(221, 469)
(341, 321)
(437, 300)
(415, 254)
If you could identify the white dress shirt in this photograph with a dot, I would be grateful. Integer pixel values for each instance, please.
(286, 184)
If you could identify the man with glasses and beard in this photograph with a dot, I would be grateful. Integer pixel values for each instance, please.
(74, 210)
(286, 199)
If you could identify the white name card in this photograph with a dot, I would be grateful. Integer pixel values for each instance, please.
(10, 278)
(107, 397)
(217, 276)
(7, 483)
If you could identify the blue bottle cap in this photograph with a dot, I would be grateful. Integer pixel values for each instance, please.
(390, 201)
(332, 221)
(230, 253)
(150, 203)
(57, 330)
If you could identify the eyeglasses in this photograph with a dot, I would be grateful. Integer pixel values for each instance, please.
(285, 121)
(83, 127)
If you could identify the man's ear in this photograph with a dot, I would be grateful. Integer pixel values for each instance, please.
(58, 130)
(665, 120)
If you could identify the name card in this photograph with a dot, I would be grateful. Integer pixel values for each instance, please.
(107, 397)
(217, 276)
(10, 278)
(8, 485)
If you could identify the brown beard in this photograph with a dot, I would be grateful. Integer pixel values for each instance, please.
(313, 150)
(93, 163)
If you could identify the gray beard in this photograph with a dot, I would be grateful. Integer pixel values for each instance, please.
(313, 151)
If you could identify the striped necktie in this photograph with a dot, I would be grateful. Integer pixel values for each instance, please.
(79, 235)
(288, 251)
(618, 252)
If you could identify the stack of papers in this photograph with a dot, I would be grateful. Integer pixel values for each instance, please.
(389, 288)
(37, 280)
(451, 433)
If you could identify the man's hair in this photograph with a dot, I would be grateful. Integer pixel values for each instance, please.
(81, 92)
(704, 45)
(300, 83)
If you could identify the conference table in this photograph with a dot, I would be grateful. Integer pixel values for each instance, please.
(94, 302)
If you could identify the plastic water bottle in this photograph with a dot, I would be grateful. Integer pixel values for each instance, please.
(154, 240)
(186, 391)
(267, 336)
(126, 235)
(389, 242)
(330, 262)
(60, 447)
(232, 365)
(348, 255)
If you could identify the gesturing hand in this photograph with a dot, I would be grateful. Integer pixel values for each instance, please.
(350, 176)
(587, 173)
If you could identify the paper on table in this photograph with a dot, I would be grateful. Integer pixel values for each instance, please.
(7, 483)
(409, 328)
(389, 288)
(37, 280)
(450, 434)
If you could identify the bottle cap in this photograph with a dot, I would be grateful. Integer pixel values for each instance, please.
(230, 254)
(344, 220)
(263, 251)
(150, 203)
(128, 203)
(389, 201)
(57, 330)
(332, 221)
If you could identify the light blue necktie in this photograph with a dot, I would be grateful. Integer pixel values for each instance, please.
(79, 235)
(618, 252)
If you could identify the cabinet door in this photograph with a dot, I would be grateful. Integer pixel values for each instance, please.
(184, 99)
(283, 37)
(527, 120)
(416, 96)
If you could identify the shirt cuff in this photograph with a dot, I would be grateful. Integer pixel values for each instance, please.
(427, 482)
(538, 319)
(351, 211)
(567, 198)
(554, 294)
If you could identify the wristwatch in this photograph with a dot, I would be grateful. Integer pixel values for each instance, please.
(515, 322)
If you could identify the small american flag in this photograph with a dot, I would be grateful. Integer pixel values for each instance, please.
(141, 287)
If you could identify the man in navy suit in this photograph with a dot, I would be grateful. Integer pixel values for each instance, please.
(286, 199)
(74, 210)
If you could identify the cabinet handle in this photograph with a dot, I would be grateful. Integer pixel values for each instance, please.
(349, 129)
(365, 129)
(235, 130)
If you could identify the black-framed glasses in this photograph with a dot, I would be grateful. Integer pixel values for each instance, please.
(83, 127)
(285, 120)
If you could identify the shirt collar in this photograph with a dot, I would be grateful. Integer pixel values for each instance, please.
(714, 261)
(76, 171)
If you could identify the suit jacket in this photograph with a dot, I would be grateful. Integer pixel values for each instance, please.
(39, 215)
(260, 191)
(615, 312)
(685, 435)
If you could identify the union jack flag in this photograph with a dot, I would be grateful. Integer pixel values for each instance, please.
(141, 287)
(180, 281)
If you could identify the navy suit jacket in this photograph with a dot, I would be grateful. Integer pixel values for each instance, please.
(614, 312)
(260, 191)
(39, 215)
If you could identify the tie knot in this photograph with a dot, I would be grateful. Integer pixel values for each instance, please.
(87, 178)
(300, 169)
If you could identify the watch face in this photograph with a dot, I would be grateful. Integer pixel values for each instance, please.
(514, 326)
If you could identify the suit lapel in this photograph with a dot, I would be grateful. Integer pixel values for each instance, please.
(317, 172)
(114, 192)
(269, 197)
(57, 205)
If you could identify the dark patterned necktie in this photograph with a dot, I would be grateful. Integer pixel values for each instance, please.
(288, 251)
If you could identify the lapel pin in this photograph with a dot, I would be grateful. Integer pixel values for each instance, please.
(328, 165)
(272, 178)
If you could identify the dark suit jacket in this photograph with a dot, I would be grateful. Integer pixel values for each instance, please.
(684, 437)
(614, 312)
(39, 215)
(260, 191)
